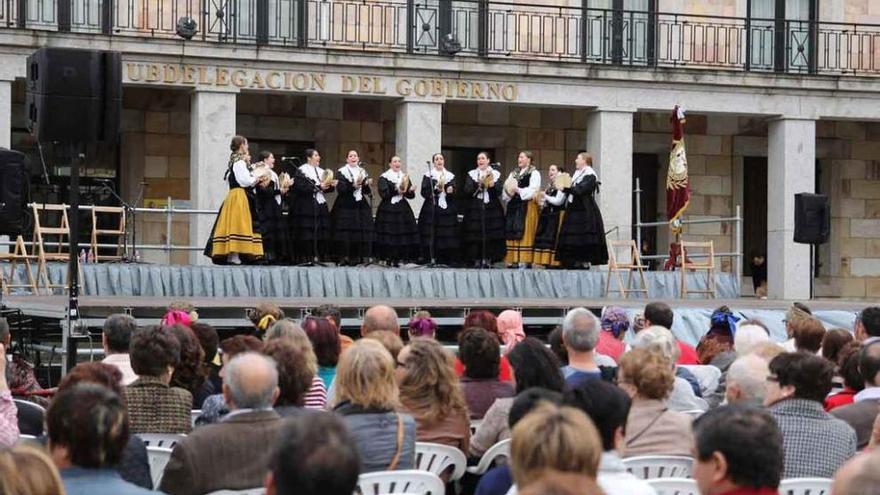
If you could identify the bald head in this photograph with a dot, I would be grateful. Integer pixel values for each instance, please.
(380, 318)
(250, 382)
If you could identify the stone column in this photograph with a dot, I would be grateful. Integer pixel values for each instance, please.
(610, 141)
(417, 137)
(791, 169)
(212, 125)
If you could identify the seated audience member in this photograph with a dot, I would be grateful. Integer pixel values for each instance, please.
(366, 399)
(795, 313)
(286, 329)
(116, 341)
(767, 350)
(808, 335)
(232, 454)
(134, 463)
(421, 328)
(430, 392)
(533, 366)
(26, 470)
(867, 324)
(685, 386)
(859, 476)
(608, 407)
(614, 324)
(848, 371)
(19, 373)
(210, 342)
(795, 389)
(153, 405)
(380, 318)
(498, 480)
(747, 338)
(745, 381)
(263, 317)
(8, 411)
(554, 339)
(738, 450)
(552, 482)
(294, 376)
(325, 342)
(390, 341)
(314, 457)
(580, 334)
(488, 322)
(334, 314)
(834, 341)
(510, 329)
(479, 353)
(716, 347)
(866, 404)
(215, 407)
(553, 438)
(88, 431)
(660, 314)
(652, 427)
(191, 374)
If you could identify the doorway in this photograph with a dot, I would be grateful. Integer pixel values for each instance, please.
(460, 161)
(754, 210)
(645, 170)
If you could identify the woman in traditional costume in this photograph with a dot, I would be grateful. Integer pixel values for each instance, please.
(397, 235)
(520, 190)
(234, 238)
(552, 203)
(484, 238)
(269, 214)
(309, 216)
(352, 215)
(438, 219)
(582, 234)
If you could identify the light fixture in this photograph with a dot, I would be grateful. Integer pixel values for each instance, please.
(449, 44)
(187, 27)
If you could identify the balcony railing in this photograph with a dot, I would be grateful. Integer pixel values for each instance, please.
(484, 28)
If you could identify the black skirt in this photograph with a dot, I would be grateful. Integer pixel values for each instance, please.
(308, 222)
(276, 245)
(447, 238)
(582, 234)
(397, 235)
(352, 222)
(548, 227)
(483, 221)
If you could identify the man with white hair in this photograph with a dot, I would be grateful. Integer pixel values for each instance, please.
(660, 340)
(580, 334)
(232, 454)
(748, 336)
(745, 380)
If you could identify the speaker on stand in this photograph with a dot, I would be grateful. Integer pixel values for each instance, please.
(812, 224)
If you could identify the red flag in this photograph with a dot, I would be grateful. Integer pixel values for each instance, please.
(678, 187)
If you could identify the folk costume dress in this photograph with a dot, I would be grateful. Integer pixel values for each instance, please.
(582, 233)
(236, 229)
(271, 221)
(522, 217)
(483, 217)
(308, 215)
(397, 235)
(548, 227)
(444, 217)
(352, 216)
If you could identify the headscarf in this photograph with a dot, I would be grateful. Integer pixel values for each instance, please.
(615, 320)
(510, 329)
(722, 319)
(176, 316)
(422, 327)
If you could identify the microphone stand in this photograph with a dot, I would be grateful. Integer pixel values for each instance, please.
(369, 195)
(316, 261)
(128, 210)
(482, 188)
(432, 263)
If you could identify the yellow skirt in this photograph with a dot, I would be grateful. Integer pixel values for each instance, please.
(234, 230)
(547, 257)
(523, 250)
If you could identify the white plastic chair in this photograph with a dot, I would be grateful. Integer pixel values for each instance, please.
(709, 376)
(409, 482)
(158, 459)
(648, 467)
(500, 449)
(195, 413)
(437, 459)
(167, 440)
(475, 423)
(674, 486)
(694, 413)
(805, 486)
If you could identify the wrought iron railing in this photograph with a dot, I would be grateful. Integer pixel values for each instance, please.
(484, 28)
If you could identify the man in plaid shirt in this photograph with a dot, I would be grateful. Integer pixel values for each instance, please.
(816, 444)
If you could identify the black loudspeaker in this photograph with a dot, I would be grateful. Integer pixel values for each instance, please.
(73, 95)
(812, 218)
(13, 192)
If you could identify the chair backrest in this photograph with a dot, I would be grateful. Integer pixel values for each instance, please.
(689, 248)
(623, 254)
(674, 486)
(805, 486)
(436, 458)
(410, 482)
(167, 440)
(193, 415)
(694, 413)
(31, 417)
(648, 467)
(158, 458)
(500, 449)
(708, 376)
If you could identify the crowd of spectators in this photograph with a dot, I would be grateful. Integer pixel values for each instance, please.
(297, 407)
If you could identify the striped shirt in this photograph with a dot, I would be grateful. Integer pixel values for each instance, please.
(316, 397)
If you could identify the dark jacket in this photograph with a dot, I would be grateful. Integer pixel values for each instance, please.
(860, 415)
(155, 407)
(375, 432)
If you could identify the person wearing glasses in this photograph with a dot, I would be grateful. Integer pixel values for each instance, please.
(867, 326)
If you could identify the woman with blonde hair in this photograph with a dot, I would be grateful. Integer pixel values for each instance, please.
(25, 470)
(430, 391)
(582, 232)
(652, 428)
(367, 399)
